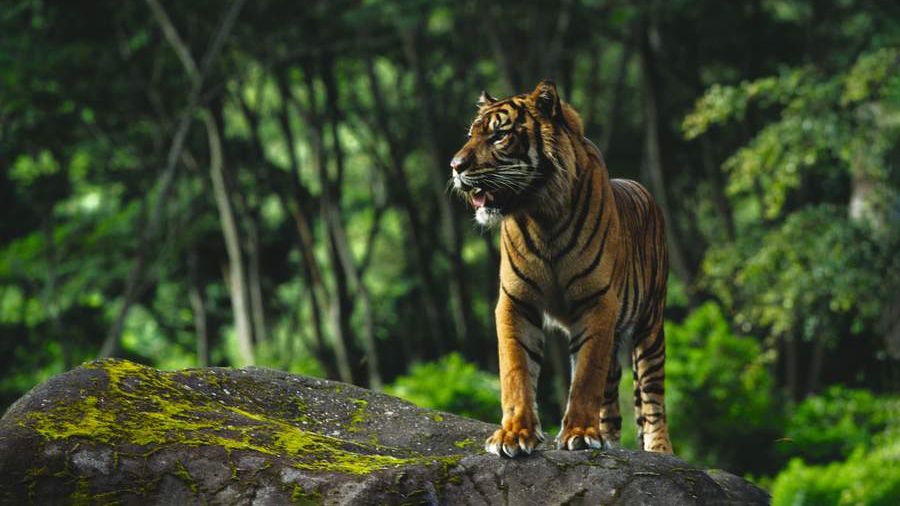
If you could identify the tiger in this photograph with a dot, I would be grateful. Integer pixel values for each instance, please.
(578, 251)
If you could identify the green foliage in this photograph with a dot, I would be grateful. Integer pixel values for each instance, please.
(830, 426)
(804, 276)
(782, 185)
(867, 477)
(451, 384)
(719, 393)
(828, 125)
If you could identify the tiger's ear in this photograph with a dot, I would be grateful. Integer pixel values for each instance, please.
(546, 99)
(485, 99)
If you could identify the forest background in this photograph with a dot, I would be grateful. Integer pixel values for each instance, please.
(231, 183)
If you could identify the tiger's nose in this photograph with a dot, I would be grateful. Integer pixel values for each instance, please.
(459, 164)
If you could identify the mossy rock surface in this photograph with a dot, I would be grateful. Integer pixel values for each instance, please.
(115, 432)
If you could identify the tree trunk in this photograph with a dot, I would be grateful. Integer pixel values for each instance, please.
(491, 26)
(616, 101)
(817, 358)
(167, 175)
(339, 235)
(111, 343)
(549, 58)
(339, 306)
(304, 236)
(237, 284)
(198, 307)
(791, 376)
(863, 195)
(459, 293)
(254, 280)
(250, 213)
(593, 90)
(653, 157)
(403, 194)
(720, 200)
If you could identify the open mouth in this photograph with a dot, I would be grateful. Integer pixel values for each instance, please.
(480, 198)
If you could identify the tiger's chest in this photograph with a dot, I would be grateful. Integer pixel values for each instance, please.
(560, 275)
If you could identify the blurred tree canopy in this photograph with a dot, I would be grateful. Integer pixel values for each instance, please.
(232, 183)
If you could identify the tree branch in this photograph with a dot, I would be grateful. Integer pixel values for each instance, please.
(167, 176)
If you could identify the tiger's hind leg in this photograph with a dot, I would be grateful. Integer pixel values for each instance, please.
(649, 390)
(610, 416)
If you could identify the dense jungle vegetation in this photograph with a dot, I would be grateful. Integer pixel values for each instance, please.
(232, 183)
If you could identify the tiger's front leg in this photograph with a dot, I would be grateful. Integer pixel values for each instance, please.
(591, 345)
(520, 344)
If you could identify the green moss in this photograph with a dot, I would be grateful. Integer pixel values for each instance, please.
(464, 443)
(31, 478)
(301, 498)
(302, 409)
(437, 417)
(360, 415)
(148, 408)
(82, 494)
(185, 476)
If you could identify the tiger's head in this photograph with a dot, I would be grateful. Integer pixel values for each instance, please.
(519, 155)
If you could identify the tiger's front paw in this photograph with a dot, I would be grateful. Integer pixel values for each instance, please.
(579, 438)
(517, 436)
(507, 443)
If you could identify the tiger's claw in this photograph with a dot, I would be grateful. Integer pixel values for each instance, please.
(578, 438)
(511, 444)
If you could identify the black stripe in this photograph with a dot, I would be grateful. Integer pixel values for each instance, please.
(660, 378)
(533, 355)
(643, 327)
(655, 348)
(577, 341)
(655, 351)
(623, 308)
(596, 226)
(579, 192)
(637, 293)
(573, 238)
(529, 241)
(528, 311)
(615, 421)
(544, 164)
(520, 118)
(593, 265)
(515, 268)
(576, 310)
(655, 388)
(577, 336)
(652, 370)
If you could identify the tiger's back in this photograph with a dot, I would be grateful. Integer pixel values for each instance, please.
(642, 230)
(639, 327)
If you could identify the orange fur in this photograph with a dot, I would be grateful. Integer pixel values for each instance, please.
(584, 250)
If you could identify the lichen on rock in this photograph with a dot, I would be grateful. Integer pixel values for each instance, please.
(116, 431)
(145, 407)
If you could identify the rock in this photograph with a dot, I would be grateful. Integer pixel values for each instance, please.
(113, 431)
